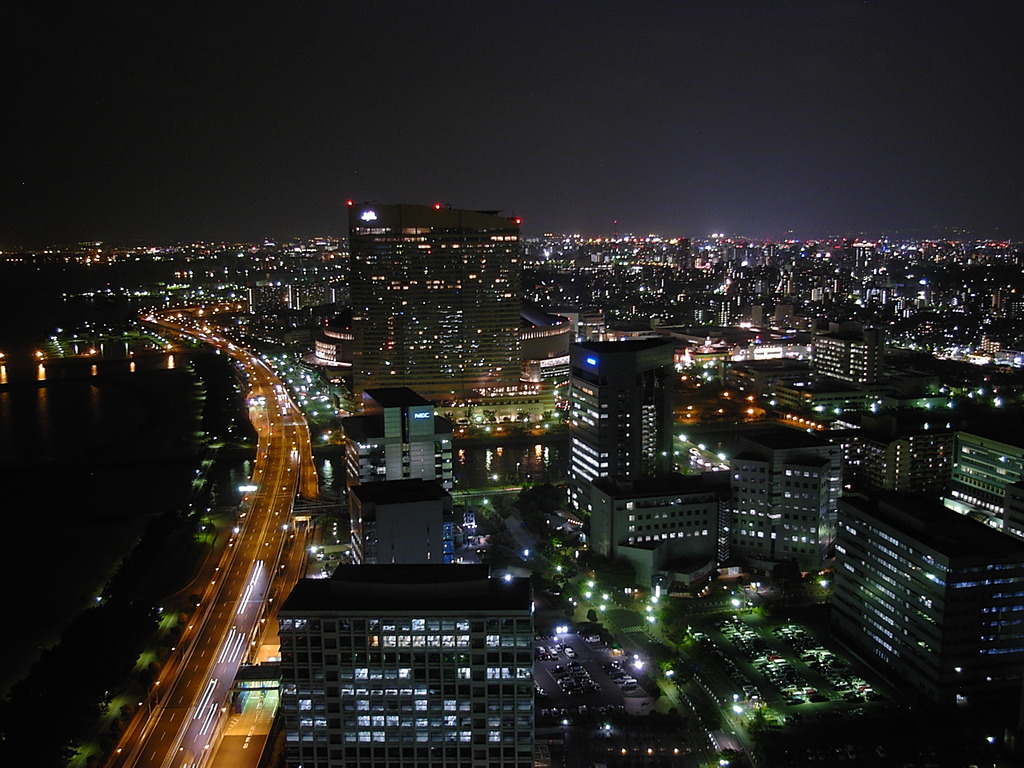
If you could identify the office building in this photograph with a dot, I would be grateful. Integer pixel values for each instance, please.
(435, 299)
(1013, 510)
(984, 464)
(398, 666)
(763, 376)
(620, 412)
(397, 437)
(851, 353)
(402, 522)
(785, 486)
(544, 340)
(824, 399)
(332, 347)
(901, 453)
(669, 526)
(930, 596)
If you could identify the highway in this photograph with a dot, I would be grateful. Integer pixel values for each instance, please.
(179, 723)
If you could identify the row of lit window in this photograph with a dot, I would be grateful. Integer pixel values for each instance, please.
(419, 641)
(667, 536)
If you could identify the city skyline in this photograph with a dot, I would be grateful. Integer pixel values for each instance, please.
(917, 344)
(172, 122)
(511, 384)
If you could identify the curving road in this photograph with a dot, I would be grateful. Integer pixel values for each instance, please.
(180, 722)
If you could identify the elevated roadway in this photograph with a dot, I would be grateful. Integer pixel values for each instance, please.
(180, 722)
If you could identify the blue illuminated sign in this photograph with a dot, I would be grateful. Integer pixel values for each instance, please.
(421, 415)
(591, 361)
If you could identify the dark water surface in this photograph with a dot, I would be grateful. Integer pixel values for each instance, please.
(84, 463)
(85, 459)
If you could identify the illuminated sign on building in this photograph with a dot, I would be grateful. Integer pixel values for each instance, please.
(368, 216)
(553, 362)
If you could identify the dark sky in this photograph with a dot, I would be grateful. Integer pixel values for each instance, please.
(135, 121)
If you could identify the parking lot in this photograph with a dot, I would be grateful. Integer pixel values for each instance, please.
(815, 704)
(784, 688)
(578, 678)
(783, 666)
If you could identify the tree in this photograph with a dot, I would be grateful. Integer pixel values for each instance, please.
(788, 575)
(614, 573)
(536, 502)
(758, 721)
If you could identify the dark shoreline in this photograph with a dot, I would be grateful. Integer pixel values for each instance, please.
(86, 485)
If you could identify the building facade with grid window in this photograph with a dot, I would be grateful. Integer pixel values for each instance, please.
(983, 465)
(785, 490)
(851, 353)
(672, 525)
(401, 522)
(930, 596)
(435, 299)
(397, 437)
(620, 412)
(403, 666)
(902, 453)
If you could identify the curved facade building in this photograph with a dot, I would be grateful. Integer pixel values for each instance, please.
(333, 347)
(544, 339)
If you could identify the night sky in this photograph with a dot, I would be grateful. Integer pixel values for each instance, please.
(159, 122)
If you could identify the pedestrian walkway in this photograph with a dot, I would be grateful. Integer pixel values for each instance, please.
(245, 734)
(646, 631)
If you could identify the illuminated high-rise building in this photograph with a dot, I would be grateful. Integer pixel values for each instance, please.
(621, 415)
(785, 488)
(397, 437)
(851, 353)
(435, 299)
(930, 597)
(408, 665)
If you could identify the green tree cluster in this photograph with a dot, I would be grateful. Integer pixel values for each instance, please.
(58, 703)
(537, 501)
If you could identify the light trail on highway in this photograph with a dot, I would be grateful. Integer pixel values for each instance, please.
(186, 710)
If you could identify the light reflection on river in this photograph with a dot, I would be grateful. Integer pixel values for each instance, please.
(476, 466)
(481, 466)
